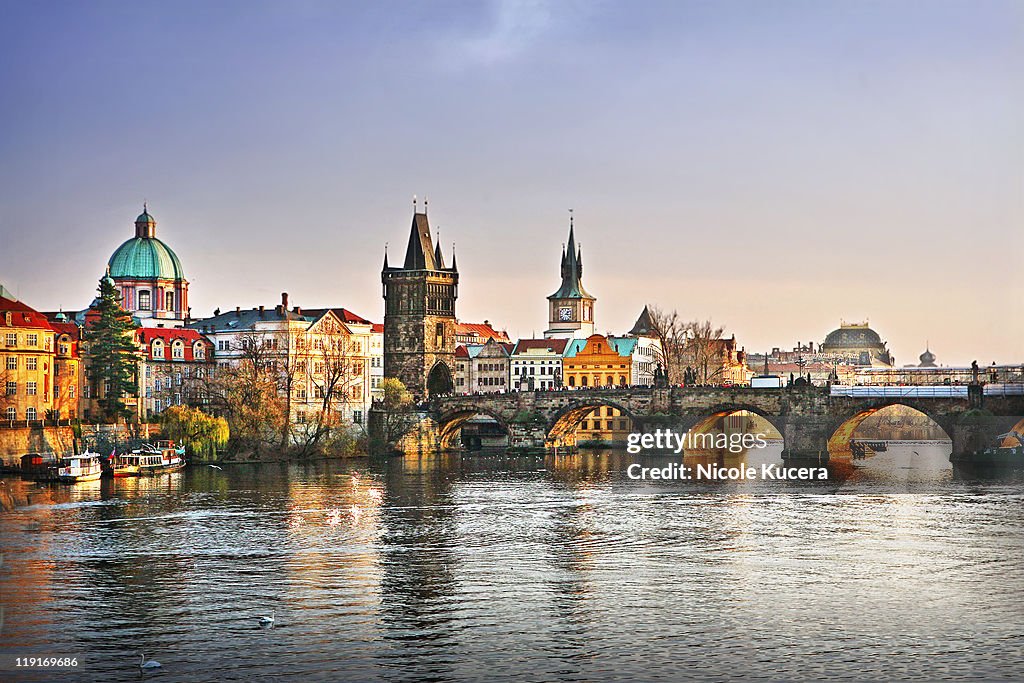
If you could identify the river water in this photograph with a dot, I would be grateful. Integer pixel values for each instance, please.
(503, 568)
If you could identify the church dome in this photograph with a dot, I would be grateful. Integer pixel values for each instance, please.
(927, 359)
(852, 337)
(144, 256)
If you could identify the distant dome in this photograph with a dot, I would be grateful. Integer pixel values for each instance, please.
(145, 258)
(927, 359)
(855, 336)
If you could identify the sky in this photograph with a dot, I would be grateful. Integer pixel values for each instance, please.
(776, 167)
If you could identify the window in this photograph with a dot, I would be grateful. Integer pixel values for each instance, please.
(177, 399)
(31, 388)
(30, 414)
(572, 380)
(65, 349)
(32, 340)
(56, 391)
(12, 413)
(177, 379)
(32, 363)
(12, 362)
(169, 301)
(583, 380)
(144, 302)
(357, 417)
(158, 349)
(158, 406)
(199, 351)
(12, 338)
(178, 350)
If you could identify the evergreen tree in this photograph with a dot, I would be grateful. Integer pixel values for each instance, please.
(111, 353)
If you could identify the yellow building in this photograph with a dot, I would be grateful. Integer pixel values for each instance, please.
(27, 364)
(600, 362)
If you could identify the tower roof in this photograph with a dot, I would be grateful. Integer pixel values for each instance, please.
(572, 272)
(644, 326)
(420, 253)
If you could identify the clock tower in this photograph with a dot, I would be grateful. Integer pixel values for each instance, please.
(571, 308)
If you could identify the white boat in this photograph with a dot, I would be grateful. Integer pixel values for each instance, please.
(84, 467)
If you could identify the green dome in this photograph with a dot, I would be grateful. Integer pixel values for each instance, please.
(144, 217)
(145, 258)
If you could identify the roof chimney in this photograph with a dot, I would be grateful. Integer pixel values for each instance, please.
(284, 301)
(261, 311)
(298, 310)
(238, 311)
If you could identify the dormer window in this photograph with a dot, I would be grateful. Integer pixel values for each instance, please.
(158, 349)
(199, 351)
(178, 350)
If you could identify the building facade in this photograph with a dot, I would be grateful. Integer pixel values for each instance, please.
(27, 367)
(419, 315)
(482, 368)
(177, 364)
(536, 364)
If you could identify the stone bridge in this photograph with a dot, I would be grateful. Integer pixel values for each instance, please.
(811, 421)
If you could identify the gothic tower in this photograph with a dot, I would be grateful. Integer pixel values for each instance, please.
(419, 315)
(571, 308)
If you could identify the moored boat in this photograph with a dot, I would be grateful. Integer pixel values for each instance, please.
(71, 469)
(149, 460)
(1003, 457)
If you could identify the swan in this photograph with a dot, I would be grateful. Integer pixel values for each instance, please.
(151, 664)
(268, 621)
(215, 467)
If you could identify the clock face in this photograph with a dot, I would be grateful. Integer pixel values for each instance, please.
(565, 313)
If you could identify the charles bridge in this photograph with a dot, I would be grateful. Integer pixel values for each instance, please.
(813, 421)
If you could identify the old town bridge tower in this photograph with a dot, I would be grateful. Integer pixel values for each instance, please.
(419, 314)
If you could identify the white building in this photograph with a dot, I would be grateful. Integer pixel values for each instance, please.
(537, 364)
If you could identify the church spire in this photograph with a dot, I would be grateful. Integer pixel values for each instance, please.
(419, 255)
(385, 256)
(438, 259)
(572, 269)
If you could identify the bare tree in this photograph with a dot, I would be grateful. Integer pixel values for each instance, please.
(692, 352)
(245, 392)
(334, 370)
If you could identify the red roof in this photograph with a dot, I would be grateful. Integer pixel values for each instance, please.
(554, 345)
(22, 315)
(70, 329)
(345, 315)
(378, 327)
(168, 335)
(483, 331)
(461, 351)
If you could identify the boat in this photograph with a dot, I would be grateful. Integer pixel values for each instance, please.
(1005, 457)
(70, 469)
(34, 465)
(151, 459)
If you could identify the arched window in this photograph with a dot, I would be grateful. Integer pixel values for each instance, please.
(12, 414)
(199, 351)
(144, 302)
(572, 380)
(158, 348)
(583, 380)
(30, 413)
(609, 380)
(169, 301)
(178, 349)
(622, 380)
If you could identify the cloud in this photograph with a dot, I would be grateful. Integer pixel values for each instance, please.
(511, 29)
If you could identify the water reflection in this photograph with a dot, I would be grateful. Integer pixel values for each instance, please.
(557, 567)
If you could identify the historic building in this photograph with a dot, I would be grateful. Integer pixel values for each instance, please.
(27, 367)
(482, 368)
(927, 358)
(320, 358)
(647, 354)
(419, 315)
(149, 277)
(478, 333)
(856, 344)
(177, 363)
(598, 361)
(571, 308)
(537, 364)
(67, 367)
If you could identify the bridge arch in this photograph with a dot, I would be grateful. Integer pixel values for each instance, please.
(711, 416)
(451, 422)
(566, 420)
(841, 433)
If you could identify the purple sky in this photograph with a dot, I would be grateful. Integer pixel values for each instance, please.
(773, 166)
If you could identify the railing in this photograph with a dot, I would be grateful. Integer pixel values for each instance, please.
(34, 424)
(862, 391)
